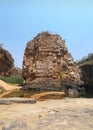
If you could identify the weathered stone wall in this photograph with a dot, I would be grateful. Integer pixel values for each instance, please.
(6, 62)
(87, 73)
(47, 62)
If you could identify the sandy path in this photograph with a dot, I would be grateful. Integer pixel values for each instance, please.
(65, 114)
(7, 87)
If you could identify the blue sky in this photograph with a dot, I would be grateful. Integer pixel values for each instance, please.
(21, 20)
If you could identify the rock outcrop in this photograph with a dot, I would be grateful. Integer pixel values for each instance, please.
(86, 67)
(6, 62)
(47, 64)
(16, 71)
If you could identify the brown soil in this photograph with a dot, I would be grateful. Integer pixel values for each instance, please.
(49, 95)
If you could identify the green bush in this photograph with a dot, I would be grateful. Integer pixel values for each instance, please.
(13, 79)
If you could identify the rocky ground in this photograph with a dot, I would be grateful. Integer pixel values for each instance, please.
(64, 114)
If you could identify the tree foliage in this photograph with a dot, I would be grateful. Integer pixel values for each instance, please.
(85, 59)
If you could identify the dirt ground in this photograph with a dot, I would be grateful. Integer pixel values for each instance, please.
(63, 114)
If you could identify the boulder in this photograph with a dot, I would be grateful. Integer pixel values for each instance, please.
(6, 62)
(73, 93)
(47, 63)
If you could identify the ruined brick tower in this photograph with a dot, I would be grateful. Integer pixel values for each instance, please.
(47, 62)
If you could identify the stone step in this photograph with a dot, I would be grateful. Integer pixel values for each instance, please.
(8, 101)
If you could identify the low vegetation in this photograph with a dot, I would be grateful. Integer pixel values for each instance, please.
(13, 79)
